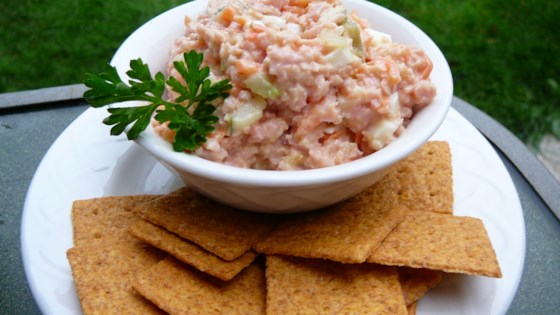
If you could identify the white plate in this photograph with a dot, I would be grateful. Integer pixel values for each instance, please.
(85, 162)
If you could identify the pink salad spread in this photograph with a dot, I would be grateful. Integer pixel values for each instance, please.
(313, 84)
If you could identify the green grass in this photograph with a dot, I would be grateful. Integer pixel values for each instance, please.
(48, 43)
(504, 55)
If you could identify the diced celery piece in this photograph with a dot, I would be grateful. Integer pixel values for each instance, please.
(259, 84)
(353, 31)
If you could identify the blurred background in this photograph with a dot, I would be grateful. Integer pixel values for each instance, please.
(504, 55)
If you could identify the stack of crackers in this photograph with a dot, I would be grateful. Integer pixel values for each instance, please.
(376, 253)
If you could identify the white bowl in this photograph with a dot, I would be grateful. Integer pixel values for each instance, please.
(288, 191)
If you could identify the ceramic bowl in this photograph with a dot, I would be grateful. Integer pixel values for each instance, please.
(288, 191)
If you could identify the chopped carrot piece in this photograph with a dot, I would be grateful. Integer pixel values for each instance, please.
(300, 3)
(227, 15)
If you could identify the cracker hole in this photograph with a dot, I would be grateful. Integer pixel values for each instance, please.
(97, 235)
(95, 212)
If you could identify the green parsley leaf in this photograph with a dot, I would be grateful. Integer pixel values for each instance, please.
(190, 115)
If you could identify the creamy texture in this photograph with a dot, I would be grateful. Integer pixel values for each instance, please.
(313, 84)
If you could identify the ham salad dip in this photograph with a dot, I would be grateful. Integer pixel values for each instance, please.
(313, 84)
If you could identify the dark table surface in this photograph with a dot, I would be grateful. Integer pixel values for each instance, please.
(26, 133)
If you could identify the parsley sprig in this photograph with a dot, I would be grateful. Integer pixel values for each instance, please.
(190, 115)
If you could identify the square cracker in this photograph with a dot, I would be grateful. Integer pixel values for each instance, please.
(424, 180)
(439, 242)
(105, 218)
(351, 230)
(314, 286)
(346, 232)
(221, 230)
(411, 308)
(179, 289)
(102, 273)
(190, 253)
(416, 282)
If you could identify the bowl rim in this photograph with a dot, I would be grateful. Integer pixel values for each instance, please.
(195, 165)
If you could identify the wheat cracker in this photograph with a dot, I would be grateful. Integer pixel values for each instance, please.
(351, 230)
(314, 286)
(443, 242)
(189, 252)
(219, 229)
(424, 180)
(179, 289)
(412, 308)
(102, 272)
(416, 282)
(104, 218)
(346, 232)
